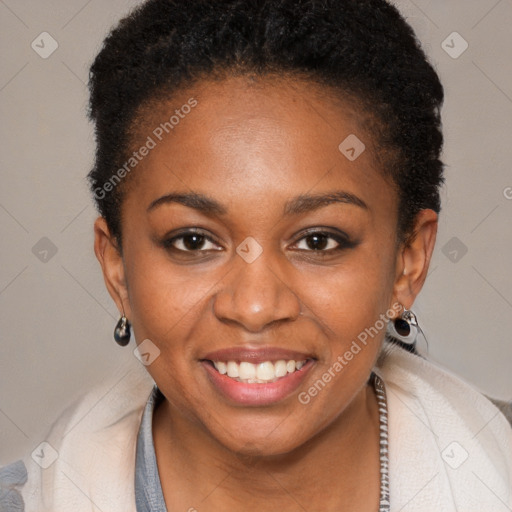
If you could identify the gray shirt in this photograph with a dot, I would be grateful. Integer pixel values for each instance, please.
(148, 490)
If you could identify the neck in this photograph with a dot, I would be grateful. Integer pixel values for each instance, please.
(338, 466)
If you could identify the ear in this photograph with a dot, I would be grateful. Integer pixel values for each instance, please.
(413, 259)
(109, 255)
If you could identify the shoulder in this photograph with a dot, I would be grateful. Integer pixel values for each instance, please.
(435, 387)
(444, 435)
(88, 456)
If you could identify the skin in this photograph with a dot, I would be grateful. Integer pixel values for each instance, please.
(252, 146)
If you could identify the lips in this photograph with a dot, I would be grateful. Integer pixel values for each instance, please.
(256, 376)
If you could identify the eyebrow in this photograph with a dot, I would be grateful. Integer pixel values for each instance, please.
(199, 202)
(306, 203)
(298, 205)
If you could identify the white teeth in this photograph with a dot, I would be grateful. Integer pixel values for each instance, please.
(246, 370)
(222, 368)
(260, 373)
(265, 371)
(280, 368)
(232, 369)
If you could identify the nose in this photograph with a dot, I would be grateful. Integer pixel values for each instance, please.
(255, 295)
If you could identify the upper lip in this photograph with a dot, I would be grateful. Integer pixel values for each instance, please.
(256, 355)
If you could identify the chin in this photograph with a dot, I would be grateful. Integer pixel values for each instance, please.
(262, 448)
(270, 441)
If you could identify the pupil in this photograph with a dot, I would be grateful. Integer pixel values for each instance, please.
(193, 242)
(317, 242)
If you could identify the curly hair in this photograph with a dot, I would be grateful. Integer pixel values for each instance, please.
(363, 48)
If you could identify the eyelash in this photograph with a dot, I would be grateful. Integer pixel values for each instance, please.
(342, 240)
(168, 242)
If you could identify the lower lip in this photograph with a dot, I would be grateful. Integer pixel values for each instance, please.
(257, 394)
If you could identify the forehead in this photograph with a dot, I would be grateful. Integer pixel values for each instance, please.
(256, 136)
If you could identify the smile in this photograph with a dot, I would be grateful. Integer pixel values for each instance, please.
(260, 373)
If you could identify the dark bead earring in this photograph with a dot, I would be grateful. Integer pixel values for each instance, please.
(122, 332)
(404, 328)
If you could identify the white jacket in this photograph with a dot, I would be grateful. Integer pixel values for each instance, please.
(450, 448)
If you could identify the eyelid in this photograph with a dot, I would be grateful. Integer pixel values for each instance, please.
(335, 233)
(343, 240)
(169, 239)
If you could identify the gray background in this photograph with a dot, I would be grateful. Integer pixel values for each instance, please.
(56, 318)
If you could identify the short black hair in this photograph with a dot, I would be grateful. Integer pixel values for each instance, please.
(363, 48)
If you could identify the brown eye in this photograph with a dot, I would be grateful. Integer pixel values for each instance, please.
(322, 241)
(191, 241)
(319, 242)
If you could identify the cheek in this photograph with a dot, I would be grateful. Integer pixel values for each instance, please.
(350, 302)
(167, 304)
(350, 297)
(164, 299)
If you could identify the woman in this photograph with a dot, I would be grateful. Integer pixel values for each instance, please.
(267, 175)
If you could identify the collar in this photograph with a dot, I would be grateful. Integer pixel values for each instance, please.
(148, 490)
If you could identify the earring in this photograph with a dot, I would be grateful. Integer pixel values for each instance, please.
(122, 331)
(404, 328)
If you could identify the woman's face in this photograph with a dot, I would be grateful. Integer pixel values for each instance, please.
(276, 247)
